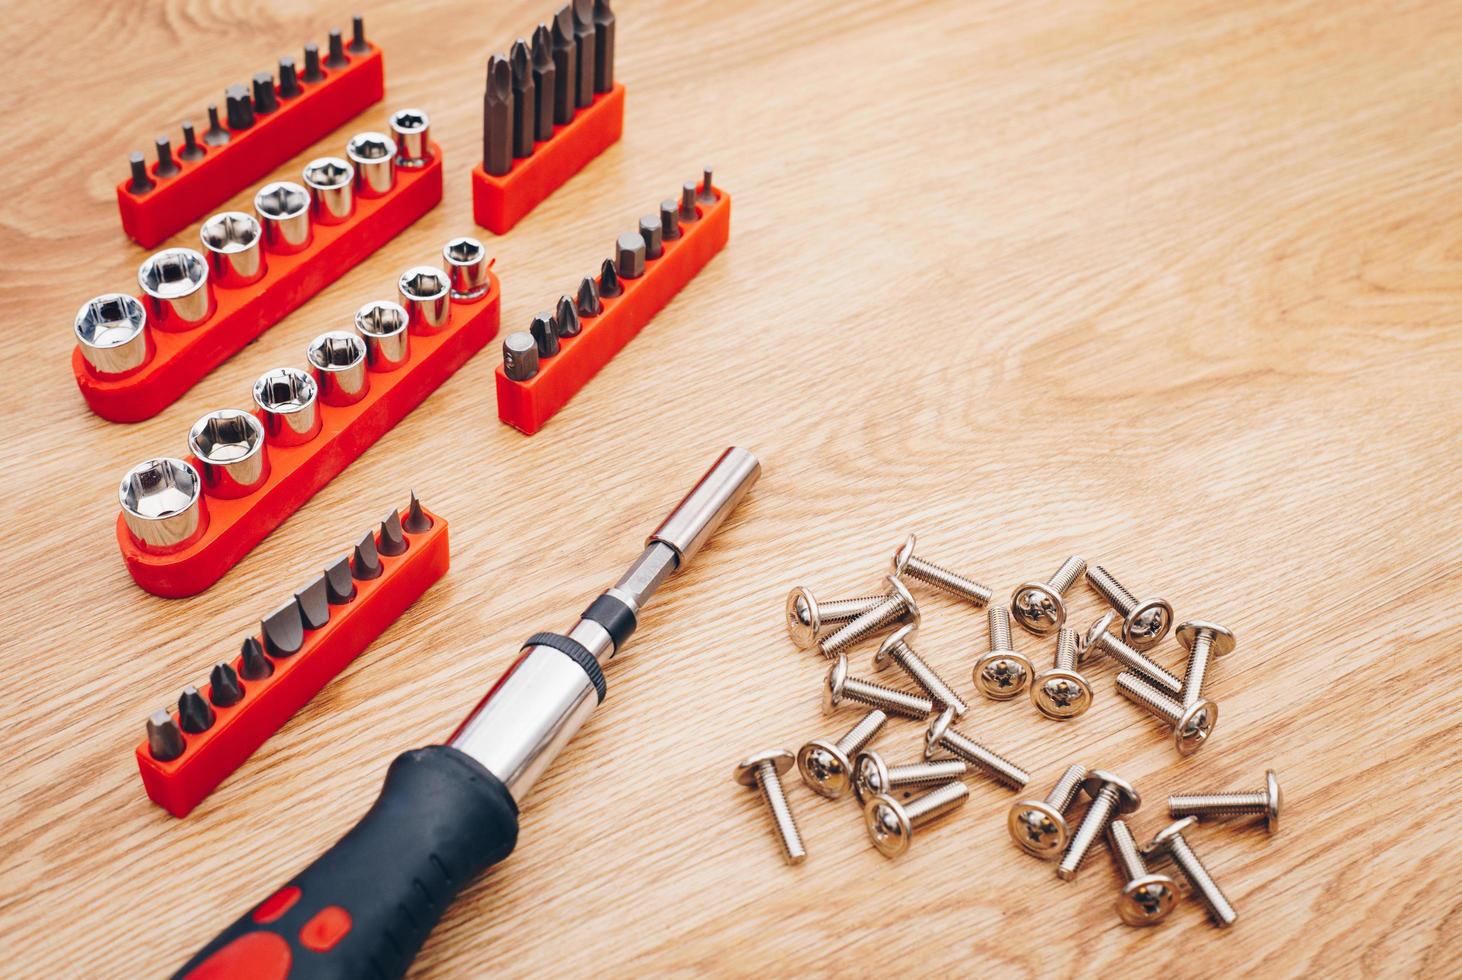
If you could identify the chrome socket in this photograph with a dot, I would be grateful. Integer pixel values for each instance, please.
(162, 505)
(232, 240)
(229, 445)
(291, 411)
(338, 365)
(382, 325)
(467, 264)
(179, 295)
(374, 156)
(112, 331)
(426, 295)
(284, 210)
(331, 182)
(412, 130)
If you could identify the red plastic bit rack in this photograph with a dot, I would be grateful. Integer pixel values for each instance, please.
(499, 203)
(527, 405)
(181, 359)
(209, 757)
(201, 185)
(234, 526)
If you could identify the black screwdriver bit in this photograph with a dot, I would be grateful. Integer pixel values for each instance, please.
(166, 165)
(336, 57)
(523, 104)
(164, 740)
(588, 300)
(358, 43)
(584, 39)
(544, 334)
(265, 100)
(544, 83)
(289, 79)
(603, 46)
(417, 521)
(194, 714)
(629, 255)
(239, 110)
(687, 210)
(497, 118)
(339, 586)
(392, 542)
(224, 689)
(312, 64)
(141, 181)
(314, 604)
(215, 135)
(253, 665)
(706, 195)
(565, 61)
(669, 221)
(609, 279)
(566, 318)
(283, 631)
(366, 563)
(191, 150)
(650, 232)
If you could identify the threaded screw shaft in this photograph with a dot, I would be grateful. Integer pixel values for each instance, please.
(986, 760)
(1219, 908)
(855, 631)
(1109, 644)
(1137, 690)
(1217, 804)
(1124, 846)
(999, 619)
(1066, 645)
(1111, 590)
(939, 691)
(924, 773)
(1199, 656)
(1069, 572)
(946, 581)
(1064, 792)
(1092, 825)
(936, 803)
(843, 610)
(891, 700)
(854, 740)
(770, 784)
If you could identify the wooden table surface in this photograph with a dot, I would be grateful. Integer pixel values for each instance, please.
(1174, 286)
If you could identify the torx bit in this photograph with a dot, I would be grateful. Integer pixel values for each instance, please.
(584, 39)
(544, 335)
(284, 631)
(669, 221)
(164, 740)
(520, 356)
(566, 318)
(336, 57)
(565, 59)
(687, 210)
(587, 302)
(417, 521)
(224, 689)
(215, 135)
(544, 83)
(191, 150)
(603, 46)
(392, 542)
(523, 99)
(706, 195)
(609, 279)
(166, 165)
(239, 111)
(265, 100)
(194, 714)
(629, 255)
(650, 231)
(289, 80)
(358, 43)
(339, 585)
(366, 563)
(312, 64)
(497, 118)
(141, 181)
(253, 665)
(314, 604)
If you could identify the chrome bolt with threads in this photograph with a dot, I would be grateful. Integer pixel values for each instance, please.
(284, 212)
(897, 605)
(826, 766)
(872, 776)
(764, 771)
(234, 243)
(896, 649)
(1264, 802)
(1204, 641)
(162, 505)
(1101, 642)
(840, 687)
(1111, 796)
(112, 333)
(383, 326)
(1061, 692)
(1039, 607)
(1039, 826)
(289, 406)
(1144, 621)
(1146, 898)
(230, 448)
(178, 290)
(1191, 726)
(1002, 673)
(907, 563)
(941, 736)
(807, 616)
(891, 824)
(1170, 841)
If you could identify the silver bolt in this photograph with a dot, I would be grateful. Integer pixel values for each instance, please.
(941, 736)
(872, 776)
(825, 766)
(905, 562)
(1266, 801)
(1002, 673)
(1192, 725)
(1147, 898)
(896, 649)
(1038, 606)
(1061, 692)
(840, 686)
(898, 604)
(1144, 621)
(1111, 796)
(1039, 826)
(1170, 841)
(1100, 642)
(806, 617)
(891, 824)
(764, 771)
(1204, 642)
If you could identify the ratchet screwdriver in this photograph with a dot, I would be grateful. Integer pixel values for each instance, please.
(447, 812)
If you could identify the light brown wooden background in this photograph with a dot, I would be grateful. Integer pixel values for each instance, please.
(1172, 285)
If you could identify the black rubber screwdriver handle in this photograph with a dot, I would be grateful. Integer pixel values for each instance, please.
(366, 905)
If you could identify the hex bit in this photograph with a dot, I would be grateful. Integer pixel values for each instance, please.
(358, 43)
(289, 81)
(687, 210)
(164, 739)
(584, 67)
(215, 135)
(650, 231)
(336, 57)
(669, 221)
(524, 105)
(312, 64)
(603, 46)
(520, 356)
(629, 255)
(565, 64)
(497, 118)
(191, 150)
(141, 181)
(544, 83)
(166, 165)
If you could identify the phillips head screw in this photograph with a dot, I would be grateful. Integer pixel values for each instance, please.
(806, 616)
(1266, 802)
(897, 605)
(1038, 606)
(898, 649)
(840, 687)
(907, 563)
(1147, 898)
(825, 765)
(1144, 622)
(764, 771)
(1039, 826)
(1192, 725)
(1061, 692)
(1204, 642)
(1101, 643)
(872, 776)
(1111, 796)
(1170, 841)
(891, 824)
(942, 736)
(1002, 673)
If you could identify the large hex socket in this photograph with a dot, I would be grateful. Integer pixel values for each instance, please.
(331, 181)
(234, 242)
(112, 331)
(338, 365)
(179, 293)
(374, 156)
(230, 448)
(162, 505)
(284, 210)
(467, 264)
(412, 129)
(382, 325)
(289, 406)
(426, 295)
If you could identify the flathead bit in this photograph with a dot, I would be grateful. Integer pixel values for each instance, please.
(588, 300)
(520, 356)
(358, 43)
(284, 632)
(525, 103)
(312, 63)
(566, 318)
(224, 689)
(629, 255)
(609, 279)
(194, 714)
(416, 520)
(336, 58)
(191, 150)
(240, 111)
(166, 165)
(687, 210)
(603, 46)
(669, 221)
(265, 101)
(141, 181)
(314, 604)
(565, 64)
(164, 740)
(706, 195)
(497, 117)
(545, 82)
(651, 232)
(545, 337)
(392, 542)
(366, 563)
(215, 135)
(253, 665)
(289, 79)
(584, 67)
(339, 586)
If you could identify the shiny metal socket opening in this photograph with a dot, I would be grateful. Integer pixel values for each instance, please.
(291, 410)
(179, 295)
(162, 505)
(331, 181)
(412, 129)
(229, 445)
(284, 210)
(467, 263)
(338, 365)
(235, 253)
(426, 294)
(374, 156)
(382, 325)
(112, 332)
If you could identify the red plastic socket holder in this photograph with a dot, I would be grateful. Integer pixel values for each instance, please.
(209, 757)
(201, 185)
(180, 359)
(499, 203)
(229, 528)
(528, 405)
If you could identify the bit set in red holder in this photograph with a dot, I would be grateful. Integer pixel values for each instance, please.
(546, 366)
(185, 522)
(263, 125)
(299, 648)
(550, 107)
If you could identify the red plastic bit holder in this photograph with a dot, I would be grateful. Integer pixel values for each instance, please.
(499, 203)
(209, 757)
(527, 405)
(201, 185)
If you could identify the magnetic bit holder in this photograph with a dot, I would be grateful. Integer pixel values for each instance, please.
(208, 757)
(499, 203)
(180, 359)
(528, 405)
(202, 184)
(223, 530)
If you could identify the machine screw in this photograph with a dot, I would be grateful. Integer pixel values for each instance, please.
(905, 562)
(898, 604)
(1038, 606)
(824, 765)
(895, 702)
(1266, 801)
(1204, 642)
(1170, 841)
(764, 771)
(896, 649)
(1061, 692)
(891, 824)
(1002, 673)
(1039, 826)
(941, 736)
(1191, 725)
(1147, 898)
(806, 617)
(1111, 796)
(872, 776)
(1144, 622)
(1100, 642)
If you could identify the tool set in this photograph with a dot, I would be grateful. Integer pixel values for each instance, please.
(299, 648)
(184, 523)
(551, 106)
(263, 126)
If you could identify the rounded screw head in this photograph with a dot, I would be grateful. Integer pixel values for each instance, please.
(1037, 609)
(1275, 800)
(870, 775)
(903, 554)
(1194, 727)
(832, 692)
(1128, 799)
(884, 656)
(803, 622)
(1146, 901)
(825, 769)
(888, 825)
(1038, 827)
(1148, 624)
(1002, 674)
(1223, 640)
(936, 732)
(911, 610)
(745, 773)
(1164, 837)
(1061, 694)
(1093, 633)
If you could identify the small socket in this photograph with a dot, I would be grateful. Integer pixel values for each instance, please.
(338, 365)
(284, 211)
(287, 399)
(374, 156)
(112, 331)
(383, 326)
(162, 505)
(229, 445)
(179, 294)
(331, 182)
(467, 266)
(232, 240)
(426, 296)
(412, 130)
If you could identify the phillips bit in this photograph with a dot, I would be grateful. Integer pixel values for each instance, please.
(629, 250)
(565, 60)
(566, 318)
(520, 356)
(166, 165)
(650, 231)
(336, 57)
(312, 63)
(603, 46)
(358, 43)
(497, 118)
(265, 100)
(609, 279)
(392, 542)
(314, 604)
(523, 99)
(669, 221)
(366, 563)
(417, 522)
(584, 38)
(191, 150)
(215, 135)
(283, 631)
(240, 113)
(194, 714)
(253, 665)
(141, 181)
(687, 210)
(588, 300)
(289, 80)
(164, 740)
(224, 689)
(544, 83)
(545, 337)
(339, 585)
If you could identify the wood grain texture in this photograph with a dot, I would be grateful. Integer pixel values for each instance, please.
(1172, 285)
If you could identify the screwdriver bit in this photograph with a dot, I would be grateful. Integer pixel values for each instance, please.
(215, 135)
(253, 665)
(497, 118)
(603, 46)
(194, 714)
(544, 335)
(141, 181)
(544, 83)
(392, 542)
(312, 63)
(588, 301)
(240, 113)
(336, 58)
(265, 101)
(289, 80)
(283, 631)
(366, 564)
(166, 165)
(416, 520)
(566, 318)
(520, 356)
(314, 604)
(669, 221)
(565, 59)
(523, 101)
(629, 250)
(164, 740)
(191, 150)
(705, 195)
(687, 202)
(224, 689)
(609, 279)
(650, 231)
(358, 43)
(339, 586)
(584, 38)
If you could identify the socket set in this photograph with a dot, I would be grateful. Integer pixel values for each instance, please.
(185, 522)
(299, 648)
(547, 365)
(134, 356)
(551, 106)
(263, 125)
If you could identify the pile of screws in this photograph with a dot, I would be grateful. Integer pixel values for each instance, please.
(837, 768)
